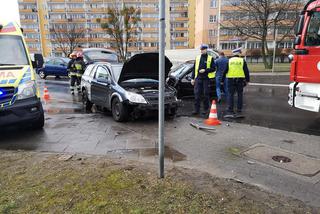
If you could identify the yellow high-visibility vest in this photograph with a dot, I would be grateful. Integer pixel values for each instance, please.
(236, 68)
(209, 60)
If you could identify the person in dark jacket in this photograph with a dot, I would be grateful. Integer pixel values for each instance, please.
(237, 74)
(77, 69)
(222, 64)
(204, 68)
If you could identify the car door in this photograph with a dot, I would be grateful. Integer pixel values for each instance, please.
(49, 67)
(185, 82)
(101, 86)
(60, 67)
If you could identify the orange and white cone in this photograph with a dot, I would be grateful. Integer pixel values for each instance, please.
(46, 95)
(213, 117)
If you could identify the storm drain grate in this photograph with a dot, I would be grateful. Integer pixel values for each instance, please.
(293, 162)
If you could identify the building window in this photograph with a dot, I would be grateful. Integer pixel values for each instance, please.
(212, 33)
(213, 3)
(212, 18)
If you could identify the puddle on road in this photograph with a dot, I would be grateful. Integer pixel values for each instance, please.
(52, 111)
(170, 153)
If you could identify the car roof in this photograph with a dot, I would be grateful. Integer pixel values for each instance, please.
(98, 49)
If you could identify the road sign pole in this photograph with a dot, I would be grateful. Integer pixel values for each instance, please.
(161, 85)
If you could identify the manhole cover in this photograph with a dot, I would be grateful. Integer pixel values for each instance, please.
(281, 159)
(293, 162)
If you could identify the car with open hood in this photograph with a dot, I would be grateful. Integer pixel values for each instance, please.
(94, 55)
(129, 89)
(180, 78)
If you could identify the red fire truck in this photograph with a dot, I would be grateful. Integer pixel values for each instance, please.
(305, 66)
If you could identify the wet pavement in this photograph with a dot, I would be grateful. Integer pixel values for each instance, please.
(70, 130)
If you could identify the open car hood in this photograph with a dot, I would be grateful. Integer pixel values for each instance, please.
(143, 66)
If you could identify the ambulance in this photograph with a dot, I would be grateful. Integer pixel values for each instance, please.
(19, 95)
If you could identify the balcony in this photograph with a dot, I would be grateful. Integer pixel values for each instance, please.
(76, 10)
(28, 21)
(179, 9)
(25, 10)
(149, 49)
(150, 39)
(30, 40)
(145, 19)
(181, 47)
(180, 39)
(56, 1)
(76, 1)
(56, 10)
(94, 10)
(148, 30)
(179, 29)
(180, 19)
(149, 10)
(30, 30)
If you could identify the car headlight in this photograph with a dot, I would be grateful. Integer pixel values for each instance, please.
(135, 98)
(26, 90)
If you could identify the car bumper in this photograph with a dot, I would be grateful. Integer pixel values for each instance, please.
(154, 106)
(22, 111)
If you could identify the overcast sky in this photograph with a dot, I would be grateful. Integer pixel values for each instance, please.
(9, 10)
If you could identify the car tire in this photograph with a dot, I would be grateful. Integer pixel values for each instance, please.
(171, 114)
(87, 104)
(39, 123)
(42, 74)
(119, 111)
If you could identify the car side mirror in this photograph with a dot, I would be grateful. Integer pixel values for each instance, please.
(297, 40)
(38, 61)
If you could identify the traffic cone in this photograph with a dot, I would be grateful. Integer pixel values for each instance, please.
(46, 95)
(213, 117)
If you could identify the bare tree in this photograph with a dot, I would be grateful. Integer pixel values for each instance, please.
(69, 38)
(122, 25)
(261, 19)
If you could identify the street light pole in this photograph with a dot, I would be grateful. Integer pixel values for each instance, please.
(274, 48)
(161, 85)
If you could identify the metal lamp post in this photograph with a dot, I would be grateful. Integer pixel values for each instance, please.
(161, 85)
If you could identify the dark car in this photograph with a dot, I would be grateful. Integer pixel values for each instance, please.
(180, 78)
(93, 55)
(54, 67)
(129, 89)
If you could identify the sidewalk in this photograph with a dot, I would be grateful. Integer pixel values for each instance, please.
(217, 152)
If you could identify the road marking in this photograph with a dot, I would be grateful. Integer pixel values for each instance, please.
(267, 84)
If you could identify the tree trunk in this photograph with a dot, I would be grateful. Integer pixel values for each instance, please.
(265, 55)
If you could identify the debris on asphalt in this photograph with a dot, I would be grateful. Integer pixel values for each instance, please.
(199, 127)
(251, 162)
(65, 157)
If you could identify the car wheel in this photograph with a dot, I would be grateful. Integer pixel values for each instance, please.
(39, 123)
(119, 110)
(87, 104)
(171, 113)
(42, 74)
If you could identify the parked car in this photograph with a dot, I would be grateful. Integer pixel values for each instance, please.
(180, 79)
(54, 67)
(129, 89)
(92, 55)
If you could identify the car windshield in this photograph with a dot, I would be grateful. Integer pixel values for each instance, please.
(98, 55)
(313, 32)
(12, 51)
(181, 69)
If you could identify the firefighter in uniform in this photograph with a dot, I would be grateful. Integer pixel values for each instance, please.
(237, 74)
(203, 73)
(77, 69)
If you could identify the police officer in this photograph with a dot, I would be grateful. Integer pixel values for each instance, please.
(237, 74)
(222, 64)
(77, 69)
(204, 68)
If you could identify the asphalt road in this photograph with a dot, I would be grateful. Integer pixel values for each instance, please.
(265, 104)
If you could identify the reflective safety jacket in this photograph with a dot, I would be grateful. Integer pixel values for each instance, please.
(77, 68)
(236, 68)
(209, 61)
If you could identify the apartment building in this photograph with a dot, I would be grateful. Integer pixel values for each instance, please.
(212, 15)
(40, 17)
